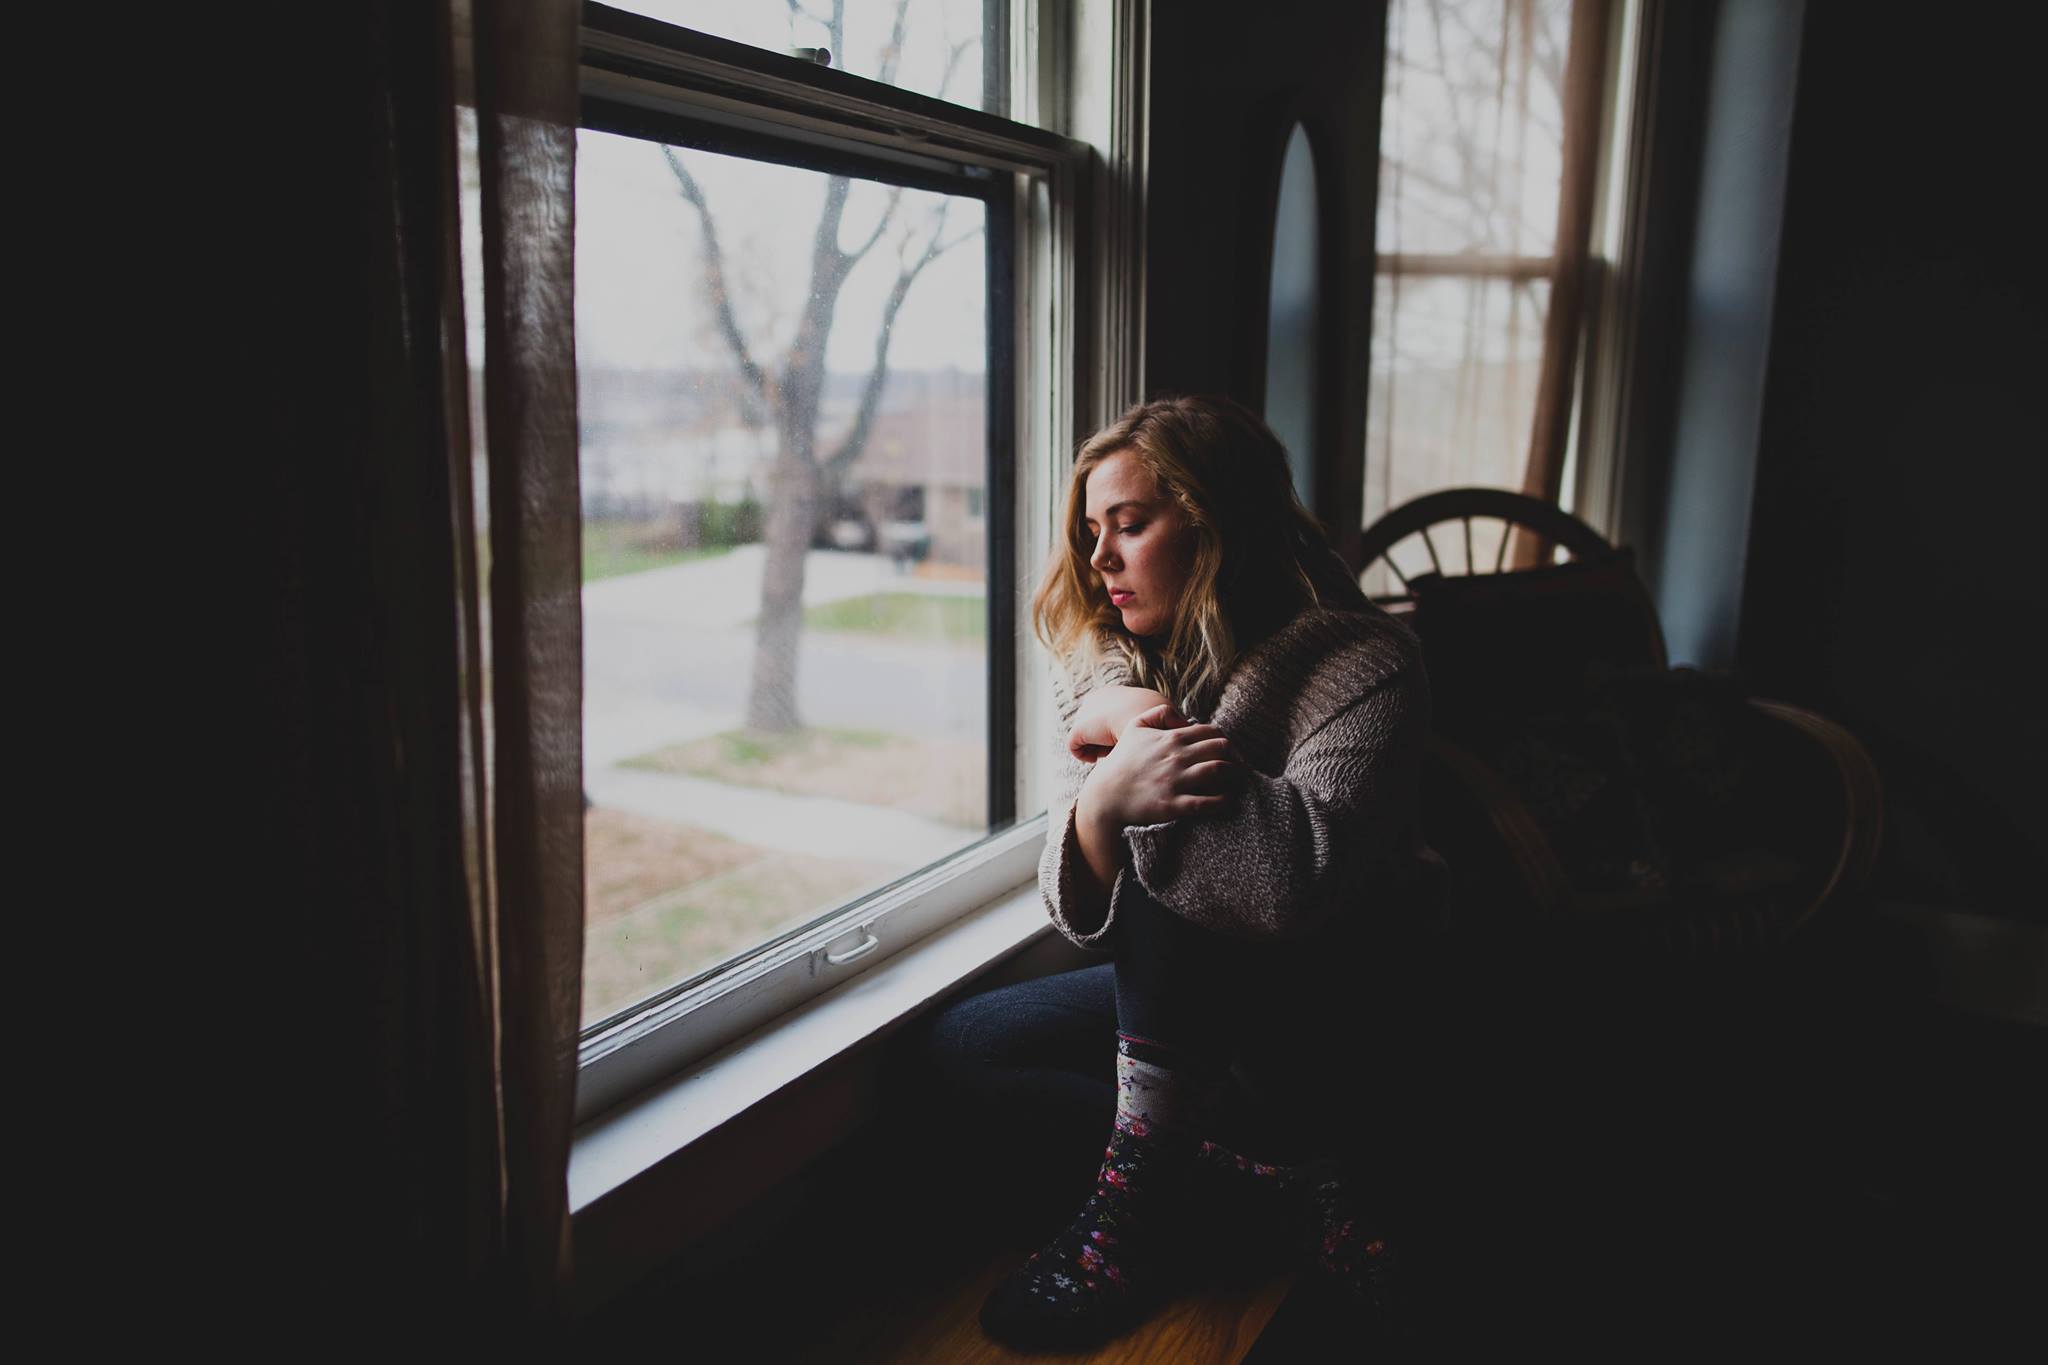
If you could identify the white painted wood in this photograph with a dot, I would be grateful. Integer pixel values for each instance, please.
(614, 1148)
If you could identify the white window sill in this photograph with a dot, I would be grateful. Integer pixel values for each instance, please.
(612, 1150)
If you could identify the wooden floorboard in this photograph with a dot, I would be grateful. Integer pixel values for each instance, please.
(934, 1321)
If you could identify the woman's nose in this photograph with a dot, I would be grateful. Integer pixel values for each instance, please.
(1101, 557)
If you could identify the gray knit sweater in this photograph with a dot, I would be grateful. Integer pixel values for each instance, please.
(1331, 715)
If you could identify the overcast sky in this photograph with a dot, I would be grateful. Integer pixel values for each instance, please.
(640, 300)
(639, 257)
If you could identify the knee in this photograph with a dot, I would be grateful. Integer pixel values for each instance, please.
(958, 1042)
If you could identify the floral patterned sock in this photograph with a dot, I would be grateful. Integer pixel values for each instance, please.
(1165, 1089)
(1123, 1253)
(1319, 1200)
(1351, 1248)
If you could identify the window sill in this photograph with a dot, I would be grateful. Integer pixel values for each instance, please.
(612, 1151)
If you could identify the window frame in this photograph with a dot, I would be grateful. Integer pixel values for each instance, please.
(748, 101)
(1596, 451)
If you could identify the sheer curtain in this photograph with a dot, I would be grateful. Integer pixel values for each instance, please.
(523, 691)
(420, 452)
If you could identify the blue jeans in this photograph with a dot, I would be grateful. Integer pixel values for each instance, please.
(1311, 1029)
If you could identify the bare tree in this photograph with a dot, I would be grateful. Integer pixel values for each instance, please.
(806, 481)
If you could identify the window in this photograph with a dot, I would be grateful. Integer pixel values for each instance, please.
(809, 306)
(951, 49)
(1487, 106)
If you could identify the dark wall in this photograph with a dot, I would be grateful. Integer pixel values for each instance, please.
(1895, 555)
(1228, 83)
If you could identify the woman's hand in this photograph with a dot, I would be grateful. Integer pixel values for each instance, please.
(1104, 714)
(1162, 767)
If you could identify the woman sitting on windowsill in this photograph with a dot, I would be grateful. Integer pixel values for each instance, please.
(1237, 827)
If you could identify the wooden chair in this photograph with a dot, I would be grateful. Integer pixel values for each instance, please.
(1521, 660)
(1435, 511)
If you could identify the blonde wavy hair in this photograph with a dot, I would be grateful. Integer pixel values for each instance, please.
(1258, 555)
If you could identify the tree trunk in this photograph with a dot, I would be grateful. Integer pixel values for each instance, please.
(793, 510)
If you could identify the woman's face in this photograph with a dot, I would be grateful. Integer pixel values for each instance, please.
(1144, 546)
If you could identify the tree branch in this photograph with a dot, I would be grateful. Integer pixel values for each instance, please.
(892, 55)
(871, 392)
(829, 265)
(953, 55)
(714, 279)
(797, 11)
(881, 226)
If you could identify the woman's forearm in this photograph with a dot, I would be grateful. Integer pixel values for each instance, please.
(1105, 713)
(1125, 704)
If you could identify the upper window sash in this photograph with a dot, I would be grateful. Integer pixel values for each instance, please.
(631, 59)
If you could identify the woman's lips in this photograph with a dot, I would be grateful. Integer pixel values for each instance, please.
(1118, 597)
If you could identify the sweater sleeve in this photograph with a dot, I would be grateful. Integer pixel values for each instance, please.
(1293, 850)
(1061, 858)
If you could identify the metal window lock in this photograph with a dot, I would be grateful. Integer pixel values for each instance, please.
(869, 942)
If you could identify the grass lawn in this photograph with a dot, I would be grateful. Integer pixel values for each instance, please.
(940, 778)
(666, 901)
(612, 548)
(957, 620)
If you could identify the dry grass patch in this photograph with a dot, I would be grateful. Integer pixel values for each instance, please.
(630, 859)
(940, 779)
(667, 901)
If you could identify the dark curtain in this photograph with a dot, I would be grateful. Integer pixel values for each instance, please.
(420, 827)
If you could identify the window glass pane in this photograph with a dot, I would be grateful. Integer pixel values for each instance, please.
(944, 46)
(1454, 369)
(1472, 126)
(785, 605)
(1471, 153)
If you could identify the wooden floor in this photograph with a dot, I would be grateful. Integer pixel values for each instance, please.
(886, 1258)
(936, 1324)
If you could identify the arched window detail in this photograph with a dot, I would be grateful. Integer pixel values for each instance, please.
(1293, 317)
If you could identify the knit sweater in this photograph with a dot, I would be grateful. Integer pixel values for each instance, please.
(1330, 715)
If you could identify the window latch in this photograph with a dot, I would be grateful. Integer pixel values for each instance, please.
(867, 945)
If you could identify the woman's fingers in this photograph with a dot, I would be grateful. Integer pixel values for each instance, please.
(1161, 717)
(1215, 776)
(1196, 732)
(1205, 749)
(1196, 805)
